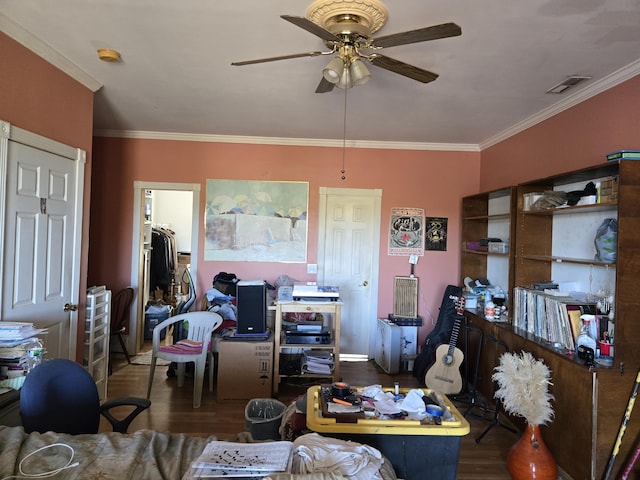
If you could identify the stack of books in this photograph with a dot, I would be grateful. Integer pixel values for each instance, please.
(319, 362)
(550, 316)
(19, 348)
(246, 460)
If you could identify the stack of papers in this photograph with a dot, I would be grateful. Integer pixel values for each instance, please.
(318, 362)
(249, 460)
(13, 332)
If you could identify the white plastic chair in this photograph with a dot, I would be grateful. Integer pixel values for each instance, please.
(195, 348)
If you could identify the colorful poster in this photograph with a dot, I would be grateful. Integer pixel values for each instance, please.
(406, 231)
(436, 233)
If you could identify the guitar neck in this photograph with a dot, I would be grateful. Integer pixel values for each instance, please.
(454, 334)
(460, 303)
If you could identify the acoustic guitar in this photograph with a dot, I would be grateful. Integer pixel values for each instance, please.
(444, 375)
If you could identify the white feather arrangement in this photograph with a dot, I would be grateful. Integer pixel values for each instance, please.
(524, 387)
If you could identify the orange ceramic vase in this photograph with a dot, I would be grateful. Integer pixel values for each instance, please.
(530, 458)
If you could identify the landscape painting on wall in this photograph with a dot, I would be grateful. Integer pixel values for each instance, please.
(256, 221)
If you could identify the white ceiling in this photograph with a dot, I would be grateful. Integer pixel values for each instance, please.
(176, 75)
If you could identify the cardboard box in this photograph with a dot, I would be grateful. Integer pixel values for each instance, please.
(609, 189)
(245, 369)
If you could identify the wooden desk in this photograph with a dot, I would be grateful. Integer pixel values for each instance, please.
(10, 409)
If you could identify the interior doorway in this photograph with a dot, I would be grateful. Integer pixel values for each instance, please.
(189, 216)
(348, 250)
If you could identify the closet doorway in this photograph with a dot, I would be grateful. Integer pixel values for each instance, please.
(171, 206)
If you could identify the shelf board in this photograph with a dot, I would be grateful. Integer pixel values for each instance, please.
(597, 207)
(553, 258)
(307, 346)
(495, 216)
(481, 252)
(306, 375)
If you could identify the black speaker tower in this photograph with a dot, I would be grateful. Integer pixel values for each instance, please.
(251, 300)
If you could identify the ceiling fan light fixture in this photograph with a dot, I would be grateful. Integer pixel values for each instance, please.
(334, 70)
(346, 80)
(359, 72)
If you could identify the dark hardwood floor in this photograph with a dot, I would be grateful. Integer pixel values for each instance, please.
(172, 411)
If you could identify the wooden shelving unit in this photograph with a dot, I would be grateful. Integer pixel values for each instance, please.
(488, 214)
(558, 244)
(330, 311)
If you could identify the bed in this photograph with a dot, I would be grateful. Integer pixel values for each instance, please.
(141, 455)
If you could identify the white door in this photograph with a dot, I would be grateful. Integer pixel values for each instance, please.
(348, 250)
(41, 242)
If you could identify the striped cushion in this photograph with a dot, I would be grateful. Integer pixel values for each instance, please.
(184, 347)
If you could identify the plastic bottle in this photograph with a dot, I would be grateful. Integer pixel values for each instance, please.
(489, 307)
(586, 338)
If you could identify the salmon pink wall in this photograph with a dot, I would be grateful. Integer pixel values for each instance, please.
(36, 96)
(435, 181)
(573, 139)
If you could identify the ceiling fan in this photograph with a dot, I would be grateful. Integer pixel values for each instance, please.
(346, 27)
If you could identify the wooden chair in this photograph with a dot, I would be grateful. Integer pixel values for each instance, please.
(120, 310)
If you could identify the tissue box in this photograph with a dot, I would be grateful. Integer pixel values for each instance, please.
(499, 247)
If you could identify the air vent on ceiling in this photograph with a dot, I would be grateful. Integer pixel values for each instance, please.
(569, 82)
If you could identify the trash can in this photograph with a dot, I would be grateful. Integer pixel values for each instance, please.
(153, 315)
(263, 417)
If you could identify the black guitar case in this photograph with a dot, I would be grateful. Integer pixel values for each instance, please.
(440, 334)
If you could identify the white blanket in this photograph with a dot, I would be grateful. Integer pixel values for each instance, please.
(314, 453)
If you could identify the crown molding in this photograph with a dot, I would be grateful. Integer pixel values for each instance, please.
(37, 46)
(300, 142)
(625, 73)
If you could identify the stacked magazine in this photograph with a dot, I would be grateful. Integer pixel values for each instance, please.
(318, 362)
(20, 348)
(241, 460)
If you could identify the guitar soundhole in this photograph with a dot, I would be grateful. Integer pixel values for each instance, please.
(448, 359)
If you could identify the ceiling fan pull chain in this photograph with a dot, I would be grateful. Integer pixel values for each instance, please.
(344, 133)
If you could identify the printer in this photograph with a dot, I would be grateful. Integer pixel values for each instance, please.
(302, 291)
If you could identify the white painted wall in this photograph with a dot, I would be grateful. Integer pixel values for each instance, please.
(172, 209)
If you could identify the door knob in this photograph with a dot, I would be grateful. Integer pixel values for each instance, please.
(70, 307)
(364, 284)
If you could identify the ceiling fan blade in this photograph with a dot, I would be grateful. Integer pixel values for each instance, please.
(402, 68)
(324, 86)
(420, 35)
(281, 57)
(311, 27)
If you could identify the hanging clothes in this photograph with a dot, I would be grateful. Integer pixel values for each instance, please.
(164, 258)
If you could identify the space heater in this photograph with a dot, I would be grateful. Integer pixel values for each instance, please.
(405, 297)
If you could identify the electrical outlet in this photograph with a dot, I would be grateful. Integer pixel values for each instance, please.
(312, 268)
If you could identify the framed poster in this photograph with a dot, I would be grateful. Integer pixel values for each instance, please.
(436, 233)
(256, 221)
(406, 231)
